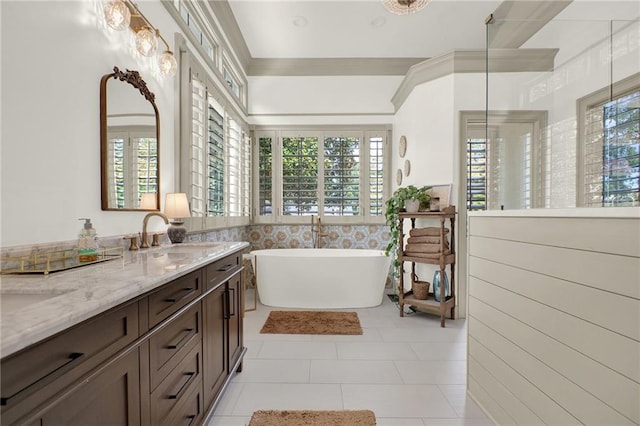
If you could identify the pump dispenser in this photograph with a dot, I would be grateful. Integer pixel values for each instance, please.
(87, 243)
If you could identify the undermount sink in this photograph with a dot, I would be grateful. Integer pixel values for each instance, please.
(14, 300)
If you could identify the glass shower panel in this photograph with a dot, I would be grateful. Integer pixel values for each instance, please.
(567, 69)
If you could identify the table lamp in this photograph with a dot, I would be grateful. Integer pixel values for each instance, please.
(176, 207)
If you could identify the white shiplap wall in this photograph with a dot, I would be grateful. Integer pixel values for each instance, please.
(554, 317)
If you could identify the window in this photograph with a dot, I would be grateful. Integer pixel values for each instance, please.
(299, 175)
(611, 150)
(218, 152)
(338, 175)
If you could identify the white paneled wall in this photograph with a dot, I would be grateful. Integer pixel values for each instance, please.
(554, 317)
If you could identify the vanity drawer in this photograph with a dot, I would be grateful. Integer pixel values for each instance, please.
(219, 270)
(178, 384)
(174, 296)
(50, 366)
(168, 347)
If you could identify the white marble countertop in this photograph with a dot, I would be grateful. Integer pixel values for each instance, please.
(34, 307)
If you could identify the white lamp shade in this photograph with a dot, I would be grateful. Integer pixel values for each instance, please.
(148, 201)
(176, 205)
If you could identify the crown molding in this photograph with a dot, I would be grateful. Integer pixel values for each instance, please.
(514, 21)
(330, 66)
(231, 29)
(473, 61)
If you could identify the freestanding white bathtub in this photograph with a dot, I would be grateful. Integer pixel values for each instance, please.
(321, 278)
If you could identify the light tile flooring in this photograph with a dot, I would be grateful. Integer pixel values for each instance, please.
(408, 371)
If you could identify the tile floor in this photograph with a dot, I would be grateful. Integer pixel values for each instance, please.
(409, 371)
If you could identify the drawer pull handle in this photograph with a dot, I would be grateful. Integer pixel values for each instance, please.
(190, 376)
(191, 419)
(179, 344)
(225, 268)
(187, 292)
(227, 305)
(71, 358)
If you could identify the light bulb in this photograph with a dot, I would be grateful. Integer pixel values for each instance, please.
(117, 15)
(168, 64)
(146, 41)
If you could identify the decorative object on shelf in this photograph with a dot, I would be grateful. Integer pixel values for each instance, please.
(393, 205)
(402, 146)
(442, 193)
(407, 167)
(123, 14)
(420, 288)
(434, 204)
(404, 7)
(176, 207)
(440, 279)
(399, 177)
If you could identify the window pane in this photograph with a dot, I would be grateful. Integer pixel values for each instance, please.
(234, 164)
(612, 153)
(621, 153)
(376, 177)
(265, 176)
(476, 174)
(341, 176)
(299, 175)
(216, 159)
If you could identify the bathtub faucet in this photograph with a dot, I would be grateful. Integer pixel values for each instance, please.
(317, 232)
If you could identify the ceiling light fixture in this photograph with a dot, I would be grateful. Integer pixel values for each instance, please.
(404, 7)
(122, 14)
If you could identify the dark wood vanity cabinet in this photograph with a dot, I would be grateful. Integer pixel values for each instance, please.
(162, 359)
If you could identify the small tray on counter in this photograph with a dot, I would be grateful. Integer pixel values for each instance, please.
(54, 260)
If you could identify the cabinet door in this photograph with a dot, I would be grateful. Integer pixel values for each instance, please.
(235, 319)
(215, 343)
(112, 397)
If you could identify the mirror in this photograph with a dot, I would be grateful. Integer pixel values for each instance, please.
(129, 143)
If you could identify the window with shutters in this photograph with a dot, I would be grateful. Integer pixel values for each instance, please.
(218, 154)
(339, 175)
(610, 148)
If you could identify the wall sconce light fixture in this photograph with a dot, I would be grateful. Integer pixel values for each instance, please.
(123, 14)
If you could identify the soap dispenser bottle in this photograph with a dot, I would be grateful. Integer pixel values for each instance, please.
(87, 243)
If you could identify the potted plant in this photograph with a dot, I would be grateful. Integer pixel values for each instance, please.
(394, 205)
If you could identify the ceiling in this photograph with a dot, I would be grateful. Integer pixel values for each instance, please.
(294, 37)
(359, 28)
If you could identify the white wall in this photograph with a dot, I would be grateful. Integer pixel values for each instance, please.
(553, 318)
(53, 56)
(321, 99)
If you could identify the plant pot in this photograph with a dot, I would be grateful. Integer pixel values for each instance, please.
(412, 206)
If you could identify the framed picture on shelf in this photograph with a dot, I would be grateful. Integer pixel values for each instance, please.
(442, 193)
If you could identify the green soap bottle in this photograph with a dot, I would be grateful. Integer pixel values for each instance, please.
(87, 243)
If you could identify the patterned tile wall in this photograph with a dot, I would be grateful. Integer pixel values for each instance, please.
(374, 237)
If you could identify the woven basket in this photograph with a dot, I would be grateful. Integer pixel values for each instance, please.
(420, 289)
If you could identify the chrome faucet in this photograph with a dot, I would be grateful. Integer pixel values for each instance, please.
(143, 242)
(318, 231)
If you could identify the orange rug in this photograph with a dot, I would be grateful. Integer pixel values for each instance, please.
(311, 322)
(313, 418)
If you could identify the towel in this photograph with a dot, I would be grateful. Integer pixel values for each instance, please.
(422, 248)
(430, 231)
(429, 240)
(425, 255)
